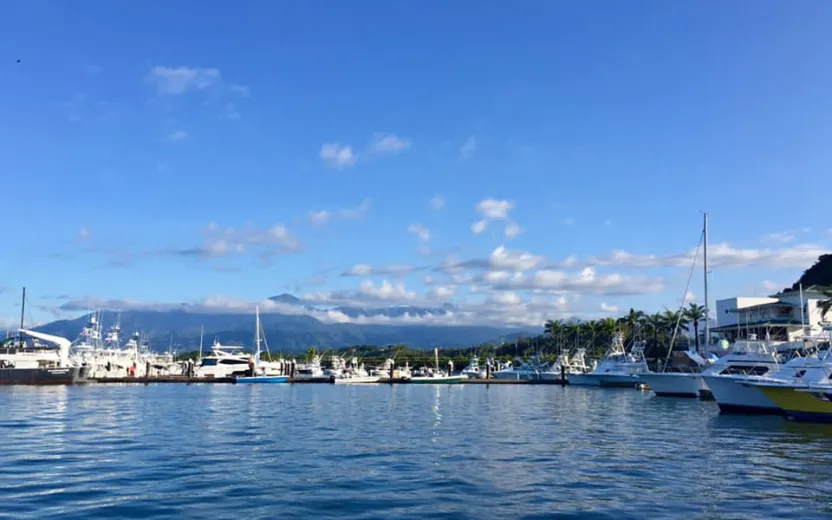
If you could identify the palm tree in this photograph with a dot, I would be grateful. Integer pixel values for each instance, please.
(631, 321)
(696, 313)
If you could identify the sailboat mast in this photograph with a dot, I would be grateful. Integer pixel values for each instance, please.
(22, 315)
(201, 332)
(705, 257)
(257, 333)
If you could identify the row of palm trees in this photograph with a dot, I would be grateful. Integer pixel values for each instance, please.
(658, 329)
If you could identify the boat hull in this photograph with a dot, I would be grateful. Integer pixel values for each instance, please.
(262, 380)
(582, 380)
(733, 396)
(799, 405)
(355, 380)
(435, 380)
(611, 380)
(672, 384)
(43, 376)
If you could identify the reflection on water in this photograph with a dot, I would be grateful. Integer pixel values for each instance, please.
(299, 451)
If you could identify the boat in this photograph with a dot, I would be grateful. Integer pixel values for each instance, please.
(474, 370)
(224, 361)
(436, 375)
(311, 369)
(257, 372)
(685, 383)
(21, 364)
(747, 358)
(801, 402)
(521, 371)
(354, 372)
(618, 368)
(574, 367)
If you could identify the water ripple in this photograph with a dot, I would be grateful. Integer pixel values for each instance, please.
(300, 451)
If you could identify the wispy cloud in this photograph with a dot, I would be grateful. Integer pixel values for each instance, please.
(178, 135)
(83, 234)
(388, 144)
(468, 148)
(370, 270)
(512, 230)
(420, 231)
(338, 155)
(781, 237)
(174, 81)
(437, 202)
(319, 218)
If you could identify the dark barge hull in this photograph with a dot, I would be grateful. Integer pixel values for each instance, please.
(42, 376)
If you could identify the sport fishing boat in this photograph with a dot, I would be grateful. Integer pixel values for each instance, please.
(810, 403)
(257, 372)
(523, 370)
(436, 375)
(354, 372)
(618, 368)
(574, 367)
(474, 370)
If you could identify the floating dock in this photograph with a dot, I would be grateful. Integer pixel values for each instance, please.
(315, 380)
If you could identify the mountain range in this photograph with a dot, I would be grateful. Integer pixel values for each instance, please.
(288, 332)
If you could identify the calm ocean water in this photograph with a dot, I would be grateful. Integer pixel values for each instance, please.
(303, 451)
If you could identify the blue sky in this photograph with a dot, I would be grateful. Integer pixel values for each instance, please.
(493, 156)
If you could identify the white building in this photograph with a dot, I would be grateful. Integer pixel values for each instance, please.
(779, 316)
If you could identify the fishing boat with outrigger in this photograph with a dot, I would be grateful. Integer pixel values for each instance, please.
(257, 371)
(436, 375)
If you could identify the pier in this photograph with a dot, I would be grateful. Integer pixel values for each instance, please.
(314, 380)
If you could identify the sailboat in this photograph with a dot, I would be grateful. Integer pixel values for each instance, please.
(436, 376)
(686, 384)
(258, 372)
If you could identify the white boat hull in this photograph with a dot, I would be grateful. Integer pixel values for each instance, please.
(732, 396)
(356, 380)
(614, 380)
(582, 380)
(673, 384)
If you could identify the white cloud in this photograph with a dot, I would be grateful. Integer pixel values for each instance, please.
(782, 237)
(772, 287)
(585, 281)
(355, 213)
(512, 230)
(569, 221)
(319, 217)
(690, 297)
(502, 258)
(386, 291)
(337, 155)
(179, 135)
(174, 81)
(219, 242)
(612, 309)
(479, 226)
(468, 148)
(83, 234)
(388, 144)
(369, 270)
(442, 292)
(493, 209)
(437, 202)
(420, 231)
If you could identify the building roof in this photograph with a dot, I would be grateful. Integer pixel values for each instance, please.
(765, 305)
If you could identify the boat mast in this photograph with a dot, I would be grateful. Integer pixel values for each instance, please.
(257, 334)
(201, 332)
(22, 316)
(705, 257)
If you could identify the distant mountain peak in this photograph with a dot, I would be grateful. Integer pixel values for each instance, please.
(286, 298)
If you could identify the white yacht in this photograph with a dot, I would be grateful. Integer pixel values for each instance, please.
(618, 367)
(747, 358)
(474, 370)
(574, 366)
(310, 370)
(680, 383)
(523, 370)
(224, 361)
(354, 372)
